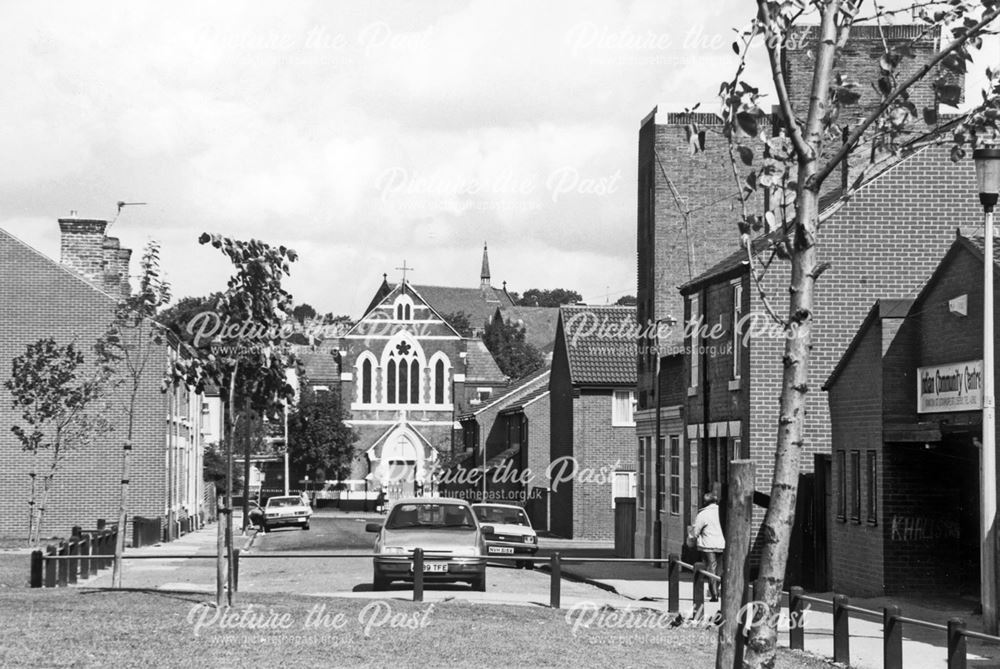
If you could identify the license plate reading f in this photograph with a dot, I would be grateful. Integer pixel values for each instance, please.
(433, 567)
(501, 549)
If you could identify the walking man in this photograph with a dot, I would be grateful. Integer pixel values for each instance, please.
(707, 532)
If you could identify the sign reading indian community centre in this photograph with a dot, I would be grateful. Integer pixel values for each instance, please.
(957, 386)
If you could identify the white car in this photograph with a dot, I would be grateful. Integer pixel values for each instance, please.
(512, 532)
(291, 510)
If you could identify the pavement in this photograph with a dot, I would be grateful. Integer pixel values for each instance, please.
(619, 585)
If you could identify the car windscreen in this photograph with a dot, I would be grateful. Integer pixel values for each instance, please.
(436, 516)
(501, 515)
(285, 501)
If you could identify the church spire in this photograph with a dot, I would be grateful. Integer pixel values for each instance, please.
(484, 275)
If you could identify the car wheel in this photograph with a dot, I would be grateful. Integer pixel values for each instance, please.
(521, 564)
(379, 583)
(306, 526)
(479, 584)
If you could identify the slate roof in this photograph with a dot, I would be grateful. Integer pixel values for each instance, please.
(524, 401)
(480, 366)
(512, 393)
(320, 366)
(600, 342)
(479, 304)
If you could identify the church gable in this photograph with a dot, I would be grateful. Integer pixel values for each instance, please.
(402, 309)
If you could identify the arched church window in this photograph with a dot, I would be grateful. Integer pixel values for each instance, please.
(399, 312)
(415, 382)
(390, 377)
(439, 382)
(366, 382)
(403, 385)
(406, 312)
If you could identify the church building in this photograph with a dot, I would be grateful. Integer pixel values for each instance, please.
(406, 374)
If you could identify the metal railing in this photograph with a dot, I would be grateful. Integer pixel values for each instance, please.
(61, 565)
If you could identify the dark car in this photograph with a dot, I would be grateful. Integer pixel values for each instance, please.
(446, 530)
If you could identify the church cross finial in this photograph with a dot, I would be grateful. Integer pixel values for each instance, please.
(405, 269)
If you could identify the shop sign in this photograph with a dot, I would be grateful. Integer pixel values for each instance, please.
(954, 387)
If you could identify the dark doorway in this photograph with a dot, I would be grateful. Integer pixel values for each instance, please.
(961, 462)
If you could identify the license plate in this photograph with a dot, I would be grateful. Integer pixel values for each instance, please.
(501, 549)
(433, 566)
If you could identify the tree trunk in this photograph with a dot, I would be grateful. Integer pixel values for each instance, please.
(116, 572)
(775, 533)
(231, 434)
(734, 560)
(246, 467)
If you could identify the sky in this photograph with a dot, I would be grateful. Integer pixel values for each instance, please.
(361, 134)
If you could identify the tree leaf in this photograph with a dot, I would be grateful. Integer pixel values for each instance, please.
(930, 115)
(746, 154)
(747, 122)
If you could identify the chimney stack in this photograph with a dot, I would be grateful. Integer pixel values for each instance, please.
(98, 258)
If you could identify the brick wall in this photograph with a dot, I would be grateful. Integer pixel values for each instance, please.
(600, 449)
(38, 298)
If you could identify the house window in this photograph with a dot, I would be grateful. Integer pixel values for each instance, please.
(439, 382)
(675, 475)
(366, 382)
(695, 341)
(484, 394)
(621, 408)
(870, 485)
(623, 486)
(661, 474)
(737, 317)
(841, 486)
(641, 475)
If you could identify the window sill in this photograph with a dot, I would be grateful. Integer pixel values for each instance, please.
(692, 391)
(841, 519)
(734, 384)
(622, 424)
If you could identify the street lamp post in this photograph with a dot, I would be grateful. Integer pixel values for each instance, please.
(988, 183)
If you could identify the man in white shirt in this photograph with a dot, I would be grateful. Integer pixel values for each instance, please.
(707, 533)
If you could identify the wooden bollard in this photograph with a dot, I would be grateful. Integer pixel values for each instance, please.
(674, 583)
(63, 566)
(418, 575)
(698, 599)
(892, 638)
(841, 630)
(956, 644)
(797, 632)
(85, 557)
(74, 561)
(50, 567)
(555, 586)
(37, 563)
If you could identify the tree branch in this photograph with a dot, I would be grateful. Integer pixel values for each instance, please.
(778, 75)
(853, 138)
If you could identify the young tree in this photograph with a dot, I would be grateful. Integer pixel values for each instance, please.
(460, 321)
(126, 351)
(790, 169)
(318, 440)
(179, 317)
(253, 366)
(514, 356)
(56, 396)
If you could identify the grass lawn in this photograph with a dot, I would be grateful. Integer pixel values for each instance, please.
(84, 628)
(14, 568)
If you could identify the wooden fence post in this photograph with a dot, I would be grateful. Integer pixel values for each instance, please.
(236, 569)
(892, 638)
(698, 599)
(50, 567)
(74, 562)
(674, 584)
(956, 643)
(37, 563)
(62, 568)
(739, 507)
(841, 630)
(418, 574)
(85, 556)
(796, 612)
(555, 585)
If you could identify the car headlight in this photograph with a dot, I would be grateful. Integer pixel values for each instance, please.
(528, 539)
(466, 551)
(271, 515)
(393, 550)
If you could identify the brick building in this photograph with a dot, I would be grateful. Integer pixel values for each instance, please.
(905, 404)
(74, 301)
(879, 243)
(592, 394)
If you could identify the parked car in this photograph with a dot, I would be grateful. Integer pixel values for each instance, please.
(289, 510)
(512, 532)
(447, 531)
